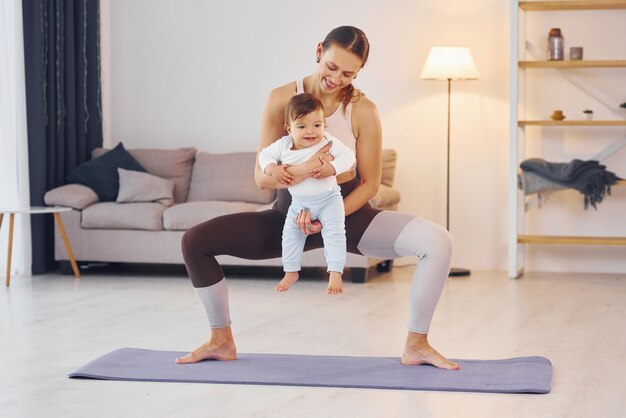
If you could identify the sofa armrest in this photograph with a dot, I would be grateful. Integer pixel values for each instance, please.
(385, 197)
(75, 196)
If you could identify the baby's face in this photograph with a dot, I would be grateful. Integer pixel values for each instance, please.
(307, 130)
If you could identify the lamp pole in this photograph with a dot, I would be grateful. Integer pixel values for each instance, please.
(450, 63)
(454, 271)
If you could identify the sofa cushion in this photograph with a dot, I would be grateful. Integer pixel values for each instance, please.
(136, 186)
(110, 215)
(186, 215)
(75, 196)
(226, 177)
(389, 167)
(174, 164)
(100, 174)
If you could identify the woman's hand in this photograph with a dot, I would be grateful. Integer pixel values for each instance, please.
(325, 170)
(317, 166)
(308, 227)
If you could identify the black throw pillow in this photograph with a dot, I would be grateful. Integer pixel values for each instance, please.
(100, 174)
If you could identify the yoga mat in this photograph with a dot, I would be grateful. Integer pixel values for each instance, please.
(515, 375)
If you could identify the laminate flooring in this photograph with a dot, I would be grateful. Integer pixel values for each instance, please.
(51, 324)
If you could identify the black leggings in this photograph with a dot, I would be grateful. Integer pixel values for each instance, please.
(256, 236)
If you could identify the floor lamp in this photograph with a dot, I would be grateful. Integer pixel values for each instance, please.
(450, 63)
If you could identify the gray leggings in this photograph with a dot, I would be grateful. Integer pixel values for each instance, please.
(370, 232)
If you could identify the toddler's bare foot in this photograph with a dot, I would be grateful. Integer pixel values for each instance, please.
(418, 351)
(212, 349)
(335, 283)
(290, 278)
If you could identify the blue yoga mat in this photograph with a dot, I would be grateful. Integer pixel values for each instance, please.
(515, 375)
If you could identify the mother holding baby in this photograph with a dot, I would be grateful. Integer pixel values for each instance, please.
(352, 118)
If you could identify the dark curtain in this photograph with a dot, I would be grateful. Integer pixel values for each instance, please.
(64, 116)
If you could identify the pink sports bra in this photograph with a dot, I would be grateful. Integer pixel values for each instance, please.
(339, 124)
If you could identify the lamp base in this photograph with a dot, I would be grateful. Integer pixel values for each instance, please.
(456, 272)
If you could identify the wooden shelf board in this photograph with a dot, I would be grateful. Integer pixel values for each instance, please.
(617, 183)
(571, 123)
(574, 64)
(549, 239)
(534, 6)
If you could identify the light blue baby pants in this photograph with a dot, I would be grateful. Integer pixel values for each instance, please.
(329, 210)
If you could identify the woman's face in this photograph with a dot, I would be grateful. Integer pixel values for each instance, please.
(337, 68)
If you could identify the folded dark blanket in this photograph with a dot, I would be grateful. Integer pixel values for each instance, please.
(532, 183)
(588, 177)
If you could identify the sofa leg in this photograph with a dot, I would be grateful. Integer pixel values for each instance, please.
(358, 275)
(385, 266)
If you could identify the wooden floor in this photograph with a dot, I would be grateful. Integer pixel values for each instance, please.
(50, 325)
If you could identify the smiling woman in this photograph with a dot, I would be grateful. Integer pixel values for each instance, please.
(353, 119)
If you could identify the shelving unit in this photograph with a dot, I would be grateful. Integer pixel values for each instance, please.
(518, 239)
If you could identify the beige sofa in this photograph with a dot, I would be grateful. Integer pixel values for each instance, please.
(205, 186)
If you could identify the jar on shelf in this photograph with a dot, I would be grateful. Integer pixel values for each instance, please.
(556, 45)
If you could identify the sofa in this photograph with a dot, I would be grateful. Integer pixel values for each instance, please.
(143, 226)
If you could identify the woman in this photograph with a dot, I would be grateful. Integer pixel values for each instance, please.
(354, 119)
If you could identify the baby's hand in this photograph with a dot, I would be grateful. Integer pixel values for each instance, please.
(280, 172)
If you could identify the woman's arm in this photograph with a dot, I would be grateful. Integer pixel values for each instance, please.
(368, 131)
(272, 128)
(344, 158)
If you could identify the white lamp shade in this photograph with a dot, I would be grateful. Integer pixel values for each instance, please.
(449, 63)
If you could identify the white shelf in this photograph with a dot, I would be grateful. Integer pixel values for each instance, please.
(522, 123)
(518, 239)
(574, 64)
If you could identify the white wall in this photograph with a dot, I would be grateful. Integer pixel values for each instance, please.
(193, 72)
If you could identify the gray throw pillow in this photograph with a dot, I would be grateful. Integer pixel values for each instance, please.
(226, 177)
(136, 186)
(75, 196)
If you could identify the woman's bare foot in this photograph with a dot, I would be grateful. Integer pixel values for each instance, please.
(335, 283)
(290, 278)
(221, 346)
(418, 351)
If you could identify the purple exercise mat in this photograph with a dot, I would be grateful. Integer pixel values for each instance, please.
(515, 375)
